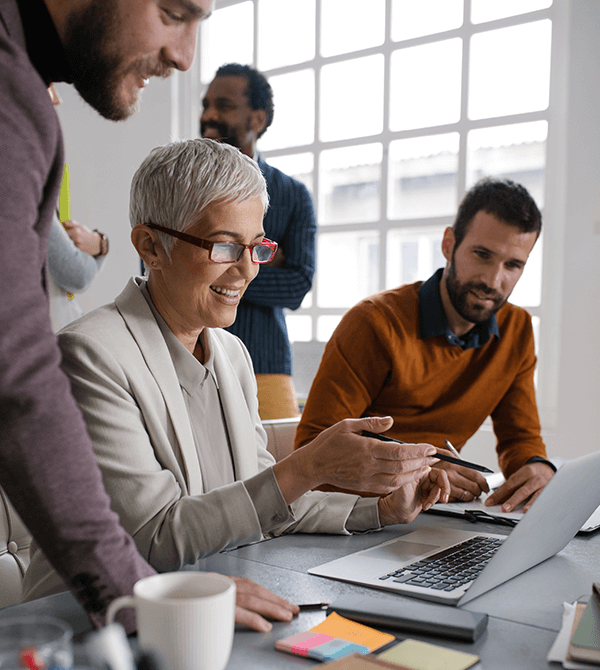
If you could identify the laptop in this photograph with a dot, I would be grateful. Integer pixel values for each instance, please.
(478, 562)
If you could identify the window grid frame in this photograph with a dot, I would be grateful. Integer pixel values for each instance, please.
(549, 369)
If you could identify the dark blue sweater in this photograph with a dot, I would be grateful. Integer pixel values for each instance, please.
(260, 322)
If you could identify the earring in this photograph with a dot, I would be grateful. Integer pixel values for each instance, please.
(154, 264)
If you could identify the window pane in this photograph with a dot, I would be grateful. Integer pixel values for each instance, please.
(423, 176)
(516, 152)
(489, 10)
(299, 327)
(298, 166)
(351, 100)
(425, 17)
(227, 38)
(294, 118)
(286, 32)
(308, 300)
(350, 184)
(528, 291)
(362, 28)
(347, 266)
(509, 71)
(425, 85)
(413, 254)
(326, 325)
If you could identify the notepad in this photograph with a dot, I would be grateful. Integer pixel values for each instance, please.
(338, 626)
(585, 641)
(363, 663)
(424, 656)
(334, 638)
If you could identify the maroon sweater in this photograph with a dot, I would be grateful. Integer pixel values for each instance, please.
(47, 465)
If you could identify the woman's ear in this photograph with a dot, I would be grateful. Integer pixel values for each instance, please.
(148, 246)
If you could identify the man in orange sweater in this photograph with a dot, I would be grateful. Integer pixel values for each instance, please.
(441, 356)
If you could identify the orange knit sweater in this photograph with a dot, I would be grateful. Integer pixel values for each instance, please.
(376, 364)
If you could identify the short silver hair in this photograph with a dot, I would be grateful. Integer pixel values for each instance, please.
(177, 182)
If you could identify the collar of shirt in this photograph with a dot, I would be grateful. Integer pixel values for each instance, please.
(190, 372)
(433, 322)
(44, 47)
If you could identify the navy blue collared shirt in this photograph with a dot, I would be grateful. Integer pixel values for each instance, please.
(432, 322)
(432, 318)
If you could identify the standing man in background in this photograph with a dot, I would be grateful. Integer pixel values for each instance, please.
(237, 109)
(108, 49)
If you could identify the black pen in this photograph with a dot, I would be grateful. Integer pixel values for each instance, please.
(442, 457)
(313, 606)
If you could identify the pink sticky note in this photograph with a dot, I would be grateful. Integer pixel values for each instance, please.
(302, 648)
(301, 642)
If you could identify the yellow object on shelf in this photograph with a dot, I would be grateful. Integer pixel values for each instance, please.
(64, 200)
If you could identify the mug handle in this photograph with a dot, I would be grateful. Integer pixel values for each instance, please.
(116, 605)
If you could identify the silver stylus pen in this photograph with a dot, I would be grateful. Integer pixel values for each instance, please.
(452, 449)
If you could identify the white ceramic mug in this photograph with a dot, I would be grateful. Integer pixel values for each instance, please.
(188, 617)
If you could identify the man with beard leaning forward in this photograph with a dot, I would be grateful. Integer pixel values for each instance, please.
(441, 356)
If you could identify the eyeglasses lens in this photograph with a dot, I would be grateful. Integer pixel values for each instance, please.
(230, 253)
(262, 253)
(225, 253)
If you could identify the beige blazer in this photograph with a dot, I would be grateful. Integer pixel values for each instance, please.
(127, 388)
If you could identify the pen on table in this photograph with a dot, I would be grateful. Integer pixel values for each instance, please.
(442, 457)
(313, 606)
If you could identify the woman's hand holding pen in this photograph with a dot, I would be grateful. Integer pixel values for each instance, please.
(341, 456)
(466, 484)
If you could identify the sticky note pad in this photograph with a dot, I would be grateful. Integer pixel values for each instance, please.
(361, 662)
(424, 656)
(338, 626)
(318, 646)
(302, 642)
(336, 648)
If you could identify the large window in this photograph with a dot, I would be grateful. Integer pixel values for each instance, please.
(388, 111)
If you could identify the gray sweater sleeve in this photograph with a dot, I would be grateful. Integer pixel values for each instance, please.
(71, 268)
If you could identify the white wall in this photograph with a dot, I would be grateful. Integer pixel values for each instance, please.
(104, 155)
(578, 419)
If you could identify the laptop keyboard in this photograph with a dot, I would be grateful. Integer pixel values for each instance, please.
(451, 568)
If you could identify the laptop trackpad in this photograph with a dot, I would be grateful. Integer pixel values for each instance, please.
(402, 551)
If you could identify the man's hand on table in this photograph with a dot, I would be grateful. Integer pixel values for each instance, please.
(525, 484)
(466, 484)
(253, 602)
(403, 504)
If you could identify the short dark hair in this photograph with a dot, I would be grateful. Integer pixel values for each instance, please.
(502, 198)
(259, 91)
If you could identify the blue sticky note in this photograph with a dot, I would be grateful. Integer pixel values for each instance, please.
(336, 648)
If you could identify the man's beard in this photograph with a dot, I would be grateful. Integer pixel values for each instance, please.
(226, 134)
(459, 297)
(96, 71)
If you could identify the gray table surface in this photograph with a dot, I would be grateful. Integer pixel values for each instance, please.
(524, 614)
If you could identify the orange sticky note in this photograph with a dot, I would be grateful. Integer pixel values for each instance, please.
(338, 626)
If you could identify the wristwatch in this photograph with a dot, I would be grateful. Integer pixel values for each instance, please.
(103, 244)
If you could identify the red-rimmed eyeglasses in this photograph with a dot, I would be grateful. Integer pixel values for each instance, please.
(225, 252)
